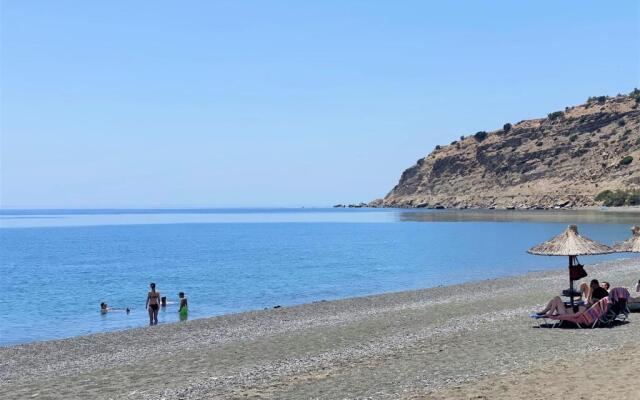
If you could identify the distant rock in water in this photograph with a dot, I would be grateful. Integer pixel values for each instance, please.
(562, 161)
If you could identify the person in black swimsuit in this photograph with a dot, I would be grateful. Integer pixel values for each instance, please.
(597, 291)
(153, 304)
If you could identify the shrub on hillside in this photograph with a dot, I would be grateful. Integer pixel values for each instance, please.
(597, 99)
(626, 161)
(555, 115)
(635, 94)
(633, 198)
(619, 198)
(573, 138)
(480, 136)
(605, 194)
(506, 127)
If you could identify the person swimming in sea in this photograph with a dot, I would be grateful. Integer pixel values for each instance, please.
(104, 308)
(153, 304)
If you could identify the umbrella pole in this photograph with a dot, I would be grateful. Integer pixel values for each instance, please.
(571, 261)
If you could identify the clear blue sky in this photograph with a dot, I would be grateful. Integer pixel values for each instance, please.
(280, 103)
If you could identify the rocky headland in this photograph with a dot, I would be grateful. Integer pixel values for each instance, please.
(562, 161)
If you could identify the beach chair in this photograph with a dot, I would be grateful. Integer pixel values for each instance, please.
(618, 308)
(587, 318)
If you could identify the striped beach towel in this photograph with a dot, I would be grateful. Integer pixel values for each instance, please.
(588, 317)
(619, 293)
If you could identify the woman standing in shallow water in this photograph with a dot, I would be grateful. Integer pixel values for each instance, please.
(153, 304)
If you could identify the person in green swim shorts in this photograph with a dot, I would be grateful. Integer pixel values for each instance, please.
(184, 306)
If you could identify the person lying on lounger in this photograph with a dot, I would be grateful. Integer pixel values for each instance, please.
(557, 307)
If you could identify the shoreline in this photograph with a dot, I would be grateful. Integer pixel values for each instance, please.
(587, 208)
(292, 306)
(406, 344)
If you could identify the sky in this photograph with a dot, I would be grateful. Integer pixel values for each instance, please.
(279, 103)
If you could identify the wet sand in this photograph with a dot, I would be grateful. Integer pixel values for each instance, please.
(465, 341)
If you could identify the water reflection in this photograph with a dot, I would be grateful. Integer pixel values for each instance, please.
(568, 216)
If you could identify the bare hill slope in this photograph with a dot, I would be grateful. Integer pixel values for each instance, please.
(563, 160)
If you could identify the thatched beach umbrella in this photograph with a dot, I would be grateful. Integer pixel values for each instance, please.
(570, 243)
(631, 245)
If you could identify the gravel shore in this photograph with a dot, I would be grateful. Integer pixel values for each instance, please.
(445, 342)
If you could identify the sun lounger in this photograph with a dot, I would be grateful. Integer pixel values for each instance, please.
(587, 318)
(618, 309)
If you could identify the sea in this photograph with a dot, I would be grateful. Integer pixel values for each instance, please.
(57, 266)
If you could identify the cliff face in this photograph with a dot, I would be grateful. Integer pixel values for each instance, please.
(563, 160)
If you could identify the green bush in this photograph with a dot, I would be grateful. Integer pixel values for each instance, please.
(598, 99)
(438, 147)
(621, 122)
(506, 127)
(573, 138)
(615, 199)
(619, 198)
(602, 196)
(635, 94)
(555, 115)
(626, 161)
(454, 142)
(480, 136)
(633, 198)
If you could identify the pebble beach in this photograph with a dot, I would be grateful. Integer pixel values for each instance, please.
(474, 340)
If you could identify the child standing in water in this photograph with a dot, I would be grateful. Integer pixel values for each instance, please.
(184, 306)
(153, 304)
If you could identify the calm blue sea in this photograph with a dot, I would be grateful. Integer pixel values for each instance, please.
(56, 266)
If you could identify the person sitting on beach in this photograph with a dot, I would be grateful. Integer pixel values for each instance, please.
(153, 304)
(586, 292)
(606, 285)
(597, 291)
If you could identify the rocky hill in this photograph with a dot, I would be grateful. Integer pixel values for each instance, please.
(563, 160)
